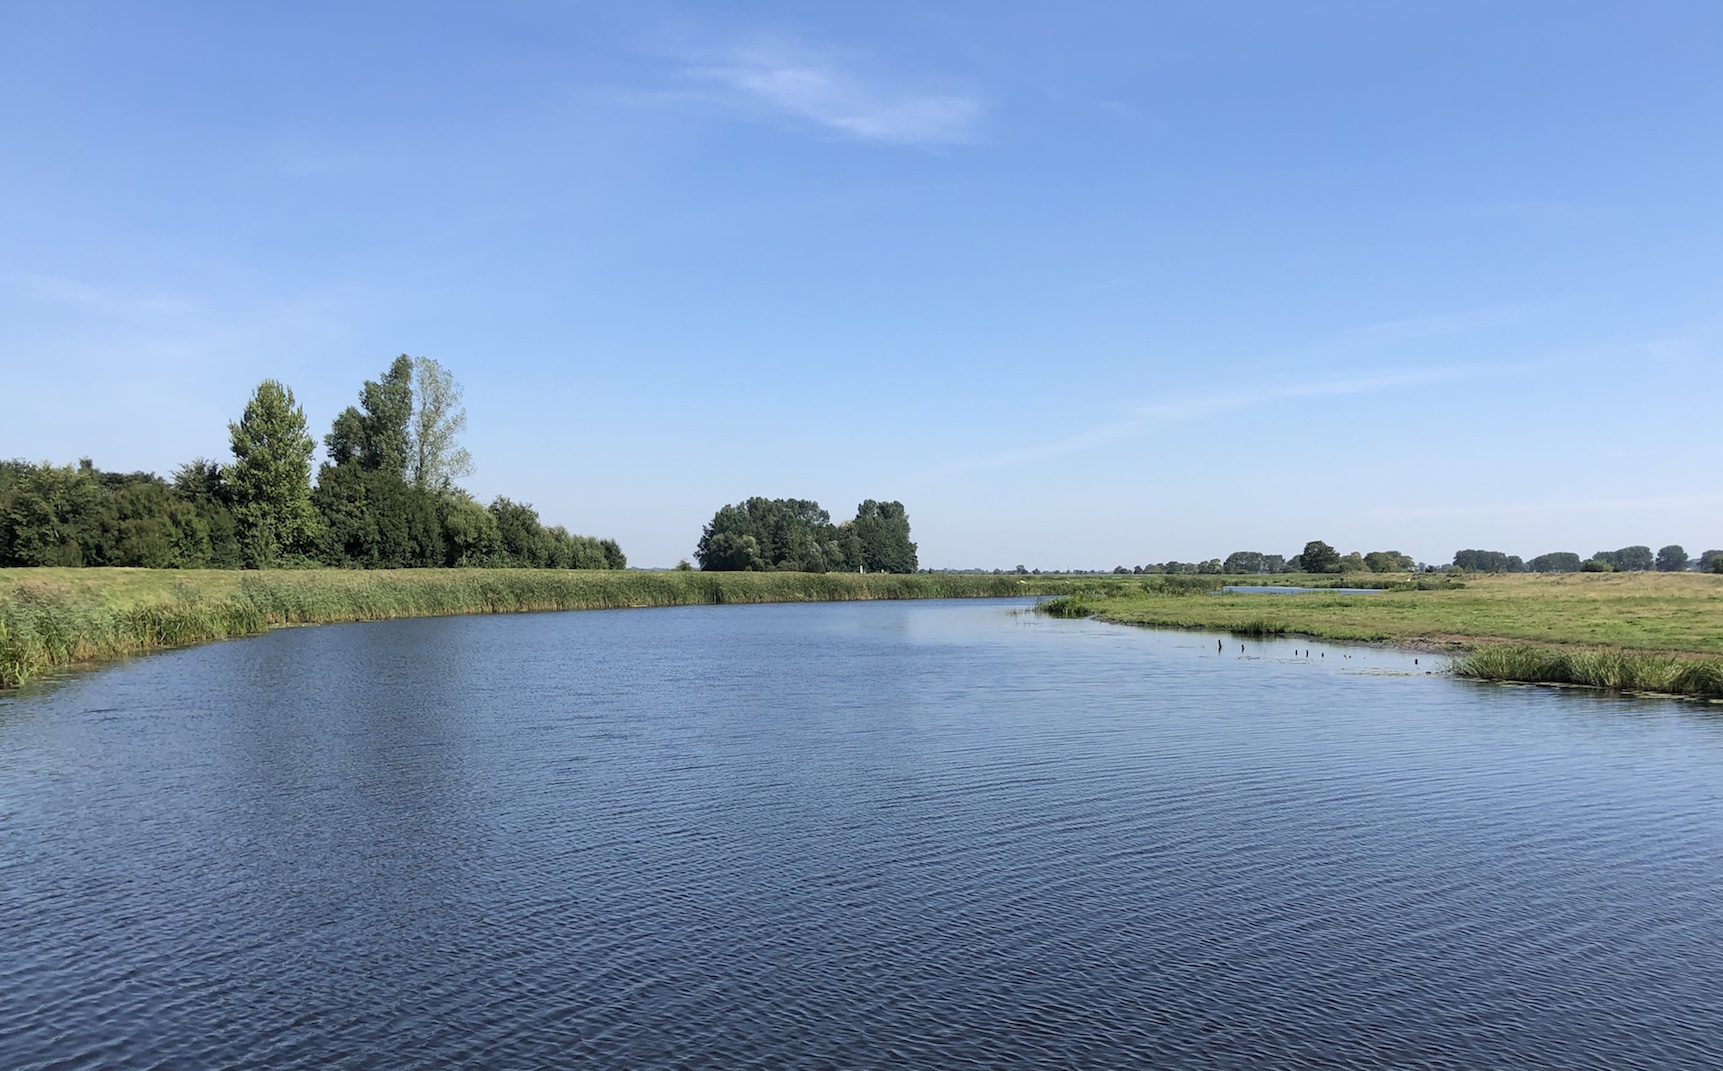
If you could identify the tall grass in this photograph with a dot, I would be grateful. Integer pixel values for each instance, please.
(1068, 606)
(1614, 670)
(43, 626)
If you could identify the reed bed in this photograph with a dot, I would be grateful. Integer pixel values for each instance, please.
(1611, 670)
(51, 618)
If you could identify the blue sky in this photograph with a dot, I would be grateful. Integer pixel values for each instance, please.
(1082, 284)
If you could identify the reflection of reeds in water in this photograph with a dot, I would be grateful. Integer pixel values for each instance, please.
(44, 624)
(1625, 671)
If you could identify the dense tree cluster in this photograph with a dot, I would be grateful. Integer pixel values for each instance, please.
(66, 515)
(385, 499)
(796, 535)
(1488, 561)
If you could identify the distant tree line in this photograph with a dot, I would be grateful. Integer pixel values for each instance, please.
(1319, 557)
(386, 497)
(1635, 559)
(1316, 557)
(796, 535)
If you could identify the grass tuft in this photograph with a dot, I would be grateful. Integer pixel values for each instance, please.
(1610, 669)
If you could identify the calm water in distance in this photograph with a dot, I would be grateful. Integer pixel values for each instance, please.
(847, 836)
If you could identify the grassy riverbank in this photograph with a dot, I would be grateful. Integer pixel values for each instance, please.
(1659, 632)
(59, 617)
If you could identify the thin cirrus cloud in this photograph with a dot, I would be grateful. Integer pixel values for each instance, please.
(1147, 417)
(1369, 341)
(816, 87)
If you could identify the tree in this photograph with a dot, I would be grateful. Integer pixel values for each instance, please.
(270, 479)
(1672, 559)
(784, 534)
(437, 458)
(53, 515)
(375, 520)
(1353, 563)
(469, 529)
(1711, 561)
(520, 536)
(521, 541)
(1633, 559)
(142, 523)
(1487, 561)
(345, 443)
(883, 531)
(1319, 557)
(1560, 561)
(791, 534)
(730, 552)
(1387, 561)
(48, 514)
(613, 556)
(201, 483)
(1244, 562)
(385, 443)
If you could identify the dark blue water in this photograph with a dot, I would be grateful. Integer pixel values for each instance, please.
(896, 834)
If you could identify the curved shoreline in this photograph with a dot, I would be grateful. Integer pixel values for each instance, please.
(53, 619)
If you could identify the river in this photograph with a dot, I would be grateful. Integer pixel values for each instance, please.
(907, 834)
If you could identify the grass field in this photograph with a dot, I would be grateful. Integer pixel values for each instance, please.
(1632, 631)
(60, 617)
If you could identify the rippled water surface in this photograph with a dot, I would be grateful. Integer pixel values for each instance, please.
(856, 835)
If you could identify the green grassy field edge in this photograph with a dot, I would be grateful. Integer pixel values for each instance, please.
(1562, 653)
(53, 618)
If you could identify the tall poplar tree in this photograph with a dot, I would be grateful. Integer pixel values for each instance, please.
(388, 403)
(436, 458)
(270, 479)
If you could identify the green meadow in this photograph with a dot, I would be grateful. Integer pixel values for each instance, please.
(1656, 632)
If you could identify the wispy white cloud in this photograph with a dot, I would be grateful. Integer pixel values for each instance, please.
(1145, 418)
(790, 78)
(1368, 346)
